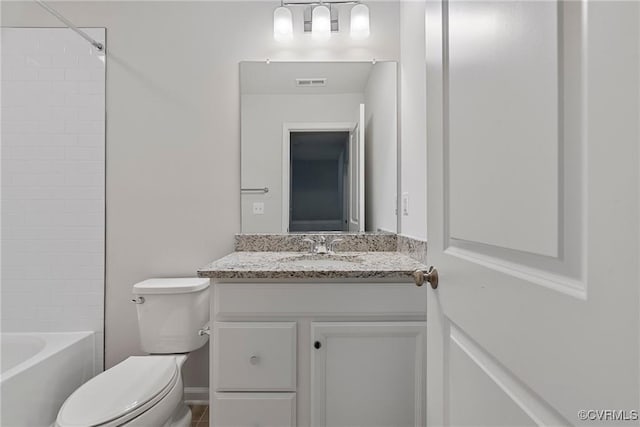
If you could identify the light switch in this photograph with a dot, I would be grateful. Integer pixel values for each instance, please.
(405, 204)
(258, 208)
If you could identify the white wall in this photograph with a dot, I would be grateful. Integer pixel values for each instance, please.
(53, 166)
(413, 129)
(381, 134)
(262, 120)
(173, 143)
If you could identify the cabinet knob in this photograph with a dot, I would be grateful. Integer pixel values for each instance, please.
(430, 276)
(254, 360)
(317, 345)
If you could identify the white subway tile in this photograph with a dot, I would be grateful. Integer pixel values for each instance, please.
(26, 153)
(19, 73)
(83, 178)
(65, 61)
(64, 114)
(82, 100)
(33, 127)
(11, 60)
(91, 61)
(32, 179)
(84, 153)
(98, 74)
(38, 61)
(84, 127)
(9, 114)
(77, 74)
(90, 140)
(48, 192)
(91, 113)
(51, 74)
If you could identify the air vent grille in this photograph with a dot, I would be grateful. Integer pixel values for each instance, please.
(311, 82)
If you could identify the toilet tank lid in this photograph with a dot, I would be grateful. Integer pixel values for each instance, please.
(176, 285)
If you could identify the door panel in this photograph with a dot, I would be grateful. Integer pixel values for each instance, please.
(476, 399)
(503, 162)
(533, 219)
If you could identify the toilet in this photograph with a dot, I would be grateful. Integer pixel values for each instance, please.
(173, 316)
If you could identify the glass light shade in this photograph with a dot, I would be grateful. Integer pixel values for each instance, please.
(282, 24)
(360, 21)
(321, 23)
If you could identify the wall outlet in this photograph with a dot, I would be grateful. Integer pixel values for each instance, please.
(405, 204)
(258, 208)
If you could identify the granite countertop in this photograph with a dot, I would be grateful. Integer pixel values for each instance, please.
(302, 265)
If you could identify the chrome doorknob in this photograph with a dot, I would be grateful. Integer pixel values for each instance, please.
(430, 276)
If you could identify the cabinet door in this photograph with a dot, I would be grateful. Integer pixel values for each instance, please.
(368, 374)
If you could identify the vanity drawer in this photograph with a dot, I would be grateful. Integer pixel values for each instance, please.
(353, 299)
(254, 409)
(255, 356)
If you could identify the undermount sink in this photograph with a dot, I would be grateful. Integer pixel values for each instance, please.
(331, 260)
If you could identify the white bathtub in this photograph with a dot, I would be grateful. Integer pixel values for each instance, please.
(38, 372)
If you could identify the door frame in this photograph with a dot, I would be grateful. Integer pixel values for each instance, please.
(287, 128)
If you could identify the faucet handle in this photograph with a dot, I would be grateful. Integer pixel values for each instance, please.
(331, 245)
(313, 243)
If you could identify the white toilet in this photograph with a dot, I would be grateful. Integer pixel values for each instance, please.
(148, 390)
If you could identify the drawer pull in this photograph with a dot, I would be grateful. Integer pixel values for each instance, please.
(254, 360)
(317, 345)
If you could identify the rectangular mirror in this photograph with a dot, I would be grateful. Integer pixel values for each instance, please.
(319, 146)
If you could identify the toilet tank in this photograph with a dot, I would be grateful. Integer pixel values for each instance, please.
(171, 311)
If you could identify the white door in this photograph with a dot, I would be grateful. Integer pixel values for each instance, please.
(356, 173)
(533, 212)
(368, 374)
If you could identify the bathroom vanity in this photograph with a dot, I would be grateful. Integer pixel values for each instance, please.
(317, 340)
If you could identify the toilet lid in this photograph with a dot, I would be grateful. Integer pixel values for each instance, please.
(119, 391)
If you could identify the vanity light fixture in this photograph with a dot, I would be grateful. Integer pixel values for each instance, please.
(320, 19)
(321, 22)
(282, 24)
(360, 21)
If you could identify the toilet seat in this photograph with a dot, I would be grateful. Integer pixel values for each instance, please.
(120, 393)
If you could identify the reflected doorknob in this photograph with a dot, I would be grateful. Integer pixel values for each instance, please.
(430, 276)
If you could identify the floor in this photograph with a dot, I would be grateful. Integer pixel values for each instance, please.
(199, 415)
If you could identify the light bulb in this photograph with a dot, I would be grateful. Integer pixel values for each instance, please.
(321, 23)
(360, 21)
(282, 24)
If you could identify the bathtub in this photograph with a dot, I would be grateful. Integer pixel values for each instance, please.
(38, 372)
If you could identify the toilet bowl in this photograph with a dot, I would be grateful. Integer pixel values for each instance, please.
(148, 390)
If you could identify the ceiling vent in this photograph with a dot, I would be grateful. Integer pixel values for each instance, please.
(311, 82)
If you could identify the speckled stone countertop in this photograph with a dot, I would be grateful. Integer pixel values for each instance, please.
(301, 265)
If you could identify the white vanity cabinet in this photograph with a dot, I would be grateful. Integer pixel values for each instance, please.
(321, 353)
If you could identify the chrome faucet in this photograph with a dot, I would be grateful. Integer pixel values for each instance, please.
(321, 246)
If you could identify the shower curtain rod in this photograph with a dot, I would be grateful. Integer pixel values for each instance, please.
(69, 24)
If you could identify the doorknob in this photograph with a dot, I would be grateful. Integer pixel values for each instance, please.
(430, 276)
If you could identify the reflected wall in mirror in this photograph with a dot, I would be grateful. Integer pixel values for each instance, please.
(319, 146)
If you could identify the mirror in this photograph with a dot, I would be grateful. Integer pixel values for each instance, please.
(318, 146)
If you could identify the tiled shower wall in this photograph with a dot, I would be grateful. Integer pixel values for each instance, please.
(53, 181)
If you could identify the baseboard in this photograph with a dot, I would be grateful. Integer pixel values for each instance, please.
(196, 395)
